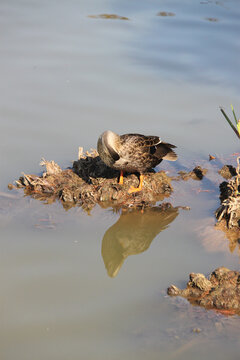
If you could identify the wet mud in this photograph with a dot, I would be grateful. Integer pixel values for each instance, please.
(221, 291)
(227, 171)
(228, 214)
(196, 174)
(90, 182)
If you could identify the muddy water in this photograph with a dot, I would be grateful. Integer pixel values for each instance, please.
(67, 290)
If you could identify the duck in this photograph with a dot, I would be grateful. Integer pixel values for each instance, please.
(133, 153)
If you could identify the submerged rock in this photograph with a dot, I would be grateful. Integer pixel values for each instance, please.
(196, 174)
(227, 171)
(221, 291)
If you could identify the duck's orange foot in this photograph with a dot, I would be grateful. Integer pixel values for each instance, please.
(121, 178)
(132, 189)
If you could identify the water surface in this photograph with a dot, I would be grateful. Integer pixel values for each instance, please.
(67, 290)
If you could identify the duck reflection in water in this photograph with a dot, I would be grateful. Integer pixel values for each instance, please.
(132, 234)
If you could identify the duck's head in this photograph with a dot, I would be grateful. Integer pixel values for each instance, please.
(108, 146)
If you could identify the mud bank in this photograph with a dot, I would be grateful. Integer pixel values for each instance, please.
(90, 182)
(228, 214)
(221, 291)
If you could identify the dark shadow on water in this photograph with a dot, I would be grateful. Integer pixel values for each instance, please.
(132, 234)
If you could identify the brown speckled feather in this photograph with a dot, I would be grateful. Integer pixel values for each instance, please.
(141, 153)
(136, 152)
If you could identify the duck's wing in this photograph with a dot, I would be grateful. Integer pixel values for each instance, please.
(158, 148)
(142, 145)
(140, 141)
(149, 141)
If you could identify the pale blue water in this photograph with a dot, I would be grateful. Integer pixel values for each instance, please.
(65, 78)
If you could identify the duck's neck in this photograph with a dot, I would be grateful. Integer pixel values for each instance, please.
(111, 139)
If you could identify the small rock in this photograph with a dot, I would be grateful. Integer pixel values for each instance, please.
(227, 171)
(196, 174)
(173, 290)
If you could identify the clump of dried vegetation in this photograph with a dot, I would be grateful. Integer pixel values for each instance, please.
(90, 182)
(221, 291)
(228, 214)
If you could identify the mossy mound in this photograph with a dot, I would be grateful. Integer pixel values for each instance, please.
(90, 182)
(228, 214)
(221, 291)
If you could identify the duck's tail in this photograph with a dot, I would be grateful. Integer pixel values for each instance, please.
(164, 150)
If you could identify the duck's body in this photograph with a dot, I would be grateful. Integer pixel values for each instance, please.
(133, 152)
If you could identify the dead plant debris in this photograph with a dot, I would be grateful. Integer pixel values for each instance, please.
(227, 171)
(221, 291)
(108, 16)
(196, 174)
(228, 214)
(90, 182)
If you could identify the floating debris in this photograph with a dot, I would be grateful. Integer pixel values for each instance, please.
(196, 174)
(221, 291)
(212, 19)
(211, 157)
(165, 13)
(108, 16)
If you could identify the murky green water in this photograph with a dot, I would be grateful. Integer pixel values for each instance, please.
(79, 286)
